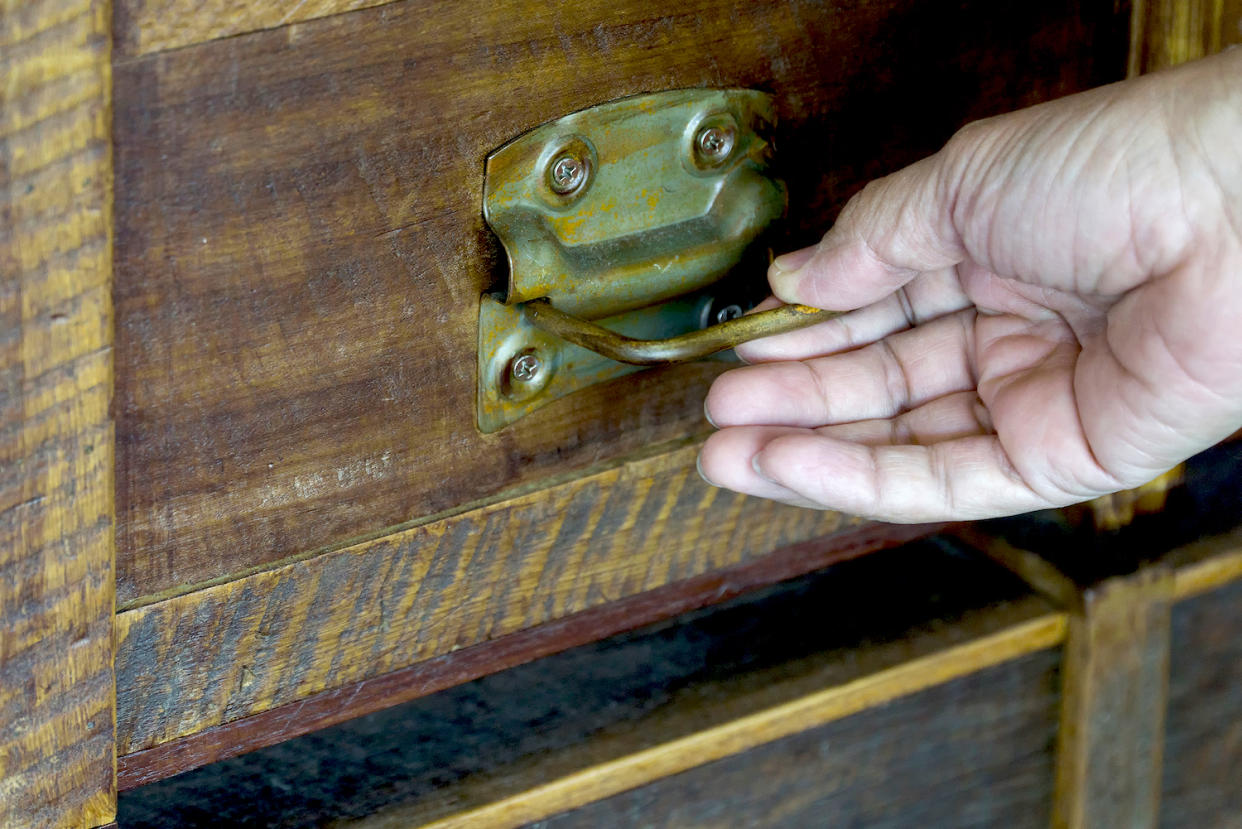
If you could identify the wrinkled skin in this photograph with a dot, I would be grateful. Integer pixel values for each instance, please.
(1049, 309)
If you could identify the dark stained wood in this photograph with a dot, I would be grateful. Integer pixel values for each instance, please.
(280, 636)
(56, 450)
(796, 654)
(1114, 696)
(1203, 745)
(300, 245)
(970, 752)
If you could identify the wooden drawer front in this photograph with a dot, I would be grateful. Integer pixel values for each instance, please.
(300, 247)
(977, 751)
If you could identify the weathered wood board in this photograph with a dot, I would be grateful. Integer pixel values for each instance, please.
(300, 247)
(56, 460)
(1203, 744)
(281, 635)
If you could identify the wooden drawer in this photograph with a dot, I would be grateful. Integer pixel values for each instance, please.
(241, 493)
(303, 501)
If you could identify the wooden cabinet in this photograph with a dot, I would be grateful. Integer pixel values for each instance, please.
(242, 493)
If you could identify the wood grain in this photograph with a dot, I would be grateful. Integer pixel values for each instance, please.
(301, 247)
(356, 699)
(1169, 32)
(145, 26)
(1114, 698)
(56, 450)
(281, 635)
(1203, 746)
(725, 739)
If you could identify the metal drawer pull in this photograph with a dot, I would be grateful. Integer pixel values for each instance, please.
(625, 226)
(680, 349)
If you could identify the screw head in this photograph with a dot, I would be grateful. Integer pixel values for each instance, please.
(525, 367)
(729, 312)
(567, 174)
(714, 144)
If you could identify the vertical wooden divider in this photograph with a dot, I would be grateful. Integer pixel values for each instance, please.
(57, 582)
(1115, 687)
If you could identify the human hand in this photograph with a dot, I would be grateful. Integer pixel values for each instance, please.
(1049, 309)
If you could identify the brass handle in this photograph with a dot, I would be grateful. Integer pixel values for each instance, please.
(680, 349)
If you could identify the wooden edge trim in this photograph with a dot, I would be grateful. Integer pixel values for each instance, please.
(1209, 574)
(144, 27)
(57, 467)
(703, 747)
(366, 696)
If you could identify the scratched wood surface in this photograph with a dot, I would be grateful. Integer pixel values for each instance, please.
(971, 752)
(300, 247)
(714, 723)
(56, 459)
(1203, 745)
(278, 636)
(614, 713)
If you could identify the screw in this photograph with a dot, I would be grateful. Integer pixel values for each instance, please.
(729, 312)
(568, 174)
(714, 143)
(524, 367)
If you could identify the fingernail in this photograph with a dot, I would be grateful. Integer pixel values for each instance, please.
(698, 464)
(791, 262)
(707, 415)
(754, 464)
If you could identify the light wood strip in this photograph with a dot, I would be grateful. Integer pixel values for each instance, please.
(748, 731)
(1207, 564)
(57, 697)
(145, 26)
(249, 645)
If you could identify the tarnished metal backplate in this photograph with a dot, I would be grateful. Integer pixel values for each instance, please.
(619, 207)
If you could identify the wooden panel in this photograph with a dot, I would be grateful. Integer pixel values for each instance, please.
(971, 752)
(144, 26)
(817, 646)
(599, 781)
(248, 645)
(1203, 746)
(56, 450)
(300, 245)
(365, 696)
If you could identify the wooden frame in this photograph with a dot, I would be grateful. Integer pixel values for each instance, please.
(57, 459)
(57, 692)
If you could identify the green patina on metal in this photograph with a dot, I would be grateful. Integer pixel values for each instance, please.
(618, 213)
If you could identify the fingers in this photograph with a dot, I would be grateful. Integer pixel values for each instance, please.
(949, 418)
(896, 228)
(927, 297)
(960, 479)
(726, 462)
(899, 372)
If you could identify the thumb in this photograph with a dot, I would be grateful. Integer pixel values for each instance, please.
(898, 227)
